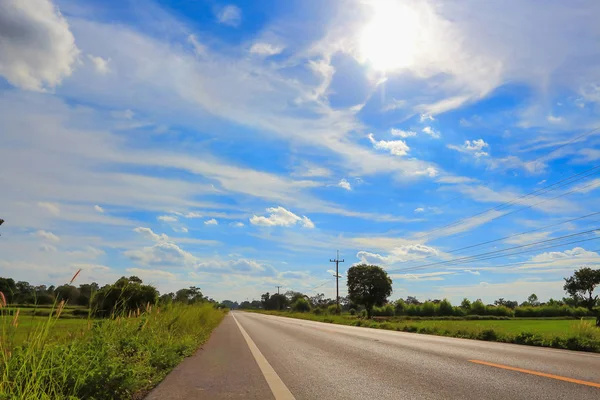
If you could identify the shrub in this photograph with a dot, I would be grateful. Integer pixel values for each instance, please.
(428, 309)
(301, 305)
(446, 308)
(399, 307)
(317, 311)
(478, 308)
(385, 311)
(352, 311)
(333, 309)
(500, 311)
(488, 334)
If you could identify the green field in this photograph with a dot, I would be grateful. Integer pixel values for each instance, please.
(30, 325)
(559, 333)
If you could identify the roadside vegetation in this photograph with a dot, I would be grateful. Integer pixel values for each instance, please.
(119, 348)
(569, 323)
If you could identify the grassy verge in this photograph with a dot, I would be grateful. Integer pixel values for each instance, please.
(563, 334)
(120, 358)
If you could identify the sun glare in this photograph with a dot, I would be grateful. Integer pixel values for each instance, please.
(389, 40)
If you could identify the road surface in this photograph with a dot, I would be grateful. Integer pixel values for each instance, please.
(255, 356)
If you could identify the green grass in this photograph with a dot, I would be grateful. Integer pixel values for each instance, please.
(565, 334)
(121, 358)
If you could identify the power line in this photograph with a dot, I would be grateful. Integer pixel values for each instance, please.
(485, 255)
(510, 236)
(535, 193)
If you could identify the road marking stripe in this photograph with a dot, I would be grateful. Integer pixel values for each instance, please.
(280, 391)
(527, 371)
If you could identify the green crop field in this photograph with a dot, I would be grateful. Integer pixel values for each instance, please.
(30, 325)
(570, 334)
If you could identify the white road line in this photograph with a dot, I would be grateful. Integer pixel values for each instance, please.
(280, 391)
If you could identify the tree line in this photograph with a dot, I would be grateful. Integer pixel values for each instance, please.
(369, 288)
(125, 295)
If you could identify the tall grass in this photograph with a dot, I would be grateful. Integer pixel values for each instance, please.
(115, 358)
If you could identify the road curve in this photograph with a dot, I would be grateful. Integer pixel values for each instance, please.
(322, 361)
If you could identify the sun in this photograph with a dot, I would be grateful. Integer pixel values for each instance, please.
(389, 40)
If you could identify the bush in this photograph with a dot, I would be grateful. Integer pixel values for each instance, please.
(333, 309)
(385, 311)
(478, 308)
(352, 311)
(301, 305)
(446, 308)
(428, 309)
(317, 311)
(488, 334)
(399, 307)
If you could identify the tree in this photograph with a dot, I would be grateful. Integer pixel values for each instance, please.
(274, 302)
(301, 305)
(466, 304)
(581, 286)
(412, 300)
(368, 285)
(122, 297)
(8, 287)
(533, 300)
(190, 295)
(68, 293)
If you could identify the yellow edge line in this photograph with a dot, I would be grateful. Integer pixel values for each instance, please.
(280, 391)
(527, 371)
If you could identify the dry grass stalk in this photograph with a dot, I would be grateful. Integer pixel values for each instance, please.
(75, 276)
(2, 300)
(15, 321)
(60, 309)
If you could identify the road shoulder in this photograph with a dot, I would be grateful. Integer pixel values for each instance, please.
(224, 368)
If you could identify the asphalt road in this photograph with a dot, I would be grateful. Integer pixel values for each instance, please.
(312, 360)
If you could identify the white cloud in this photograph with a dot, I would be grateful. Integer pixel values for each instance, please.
(265, 49)
(429, 171)
(395, 104)
(401, 133)
(279, 216)
(150, 274)
(211, 221)
(238, 224)
(240, 266)
(162, 253)
(193, 215)
(308, 170)
(50, 207)
(431, 132)
(167, 218)
(230, 15)
(398, 254)
(98, 208)
(426, 276)
(419, 210)
(47, 235)
(426, 117)
(37, 49)
(149, 234)
(100, 64)
(395, 147)
(344, 184)
(474, 147)
(199, 48)
(47, 248)
(527, 238)
(472, 272)
(555, 120)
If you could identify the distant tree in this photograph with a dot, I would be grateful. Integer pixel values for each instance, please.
(232, 305)
(465, 304)
(368, 285)
(533, 300)
(122, 297)
(166, 299)
(9, 288)
(190, 295)
(581, 286)
(446, 308)
(68, 293)
(301, 305)
(135, 279)
(292, 296)
(412, 300)
(86, 292)
(478, 308)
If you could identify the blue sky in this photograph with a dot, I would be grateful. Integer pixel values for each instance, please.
(237, 145)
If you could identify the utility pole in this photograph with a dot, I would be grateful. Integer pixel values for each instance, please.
(278, 301)
(337, 262)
